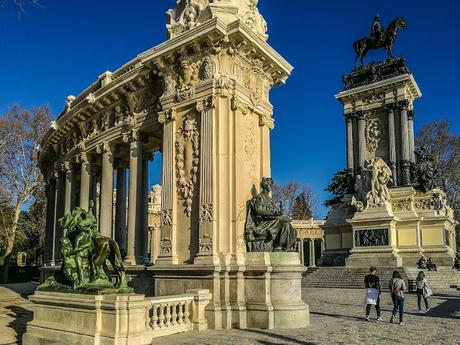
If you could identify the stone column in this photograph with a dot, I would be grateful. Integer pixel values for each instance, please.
(392, 142)
(120, 208)
(266, 124)
(410, 119)
(362, 138)
(323, 246)
(85, 181)
(301, 252)
(405, 162)
(312, 252)
(168, 195)
(144, 216)
(206, 216)
(49, 228)
(106, 203)
(134, 249)
(349, 124)
(59, 211)
(68, 169)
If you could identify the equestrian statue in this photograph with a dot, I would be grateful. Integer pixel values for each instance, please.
(378, 38)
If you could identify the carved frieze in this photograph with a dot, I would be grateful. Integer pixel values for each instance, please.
(372, 237)
(374, 98)
(374, 132)
(166, 217)
(187, 160)
(402, 205)
(424, 204)
(206, 213)
(165, 246)
(205, 243)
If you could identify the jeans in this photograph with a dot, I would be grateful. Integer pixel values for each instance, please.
(398, 303)
(419, 299)
(377, 308)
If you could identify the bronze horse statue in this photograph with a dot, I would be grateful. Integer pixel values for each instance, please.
(388, 38)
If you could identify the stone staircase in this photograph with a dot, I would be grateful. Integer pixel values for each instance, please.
(353, 277)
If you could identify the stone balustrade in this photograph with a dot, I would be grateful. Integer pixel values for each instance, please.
(177, 314)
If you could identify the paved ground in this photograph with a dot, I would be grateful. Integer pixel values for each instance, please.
(336, 319)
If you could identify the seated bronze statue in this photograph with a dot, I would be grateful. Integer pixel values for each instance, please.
(84, 258)
(267, 228)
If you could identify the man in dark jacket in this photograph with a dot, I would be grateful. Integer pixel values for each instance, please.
(371, 281)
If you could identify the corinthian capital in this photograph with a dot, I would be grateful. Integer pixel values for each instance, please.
(267, 121)
(167, 116)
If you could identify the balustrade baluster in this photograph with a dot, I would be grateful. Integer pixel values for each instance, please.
(162, 316)
(187, 312)
(174, 313)
(180, 319)
(168, 315)
(154, 324)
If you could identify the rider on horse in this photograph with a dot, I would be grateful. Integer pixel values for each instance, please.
(376, 29)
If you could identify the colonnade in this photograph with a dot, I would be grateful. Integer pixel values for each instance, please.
(404, 140)
(312, 250)
(87, 181)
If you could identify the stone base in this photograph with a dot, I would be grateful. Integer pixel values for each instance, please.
(273, 291)
(61, 318)
(262, 291)
(373, 257)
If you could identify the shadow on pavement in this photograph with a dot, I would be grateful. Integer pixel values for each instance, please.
(21, 318)
(338, 316)
(449, 308)
(22, 289)
(278, 338)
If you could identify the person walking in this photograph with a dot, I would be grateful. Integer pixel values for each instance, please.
(422, 291)
(372, 285)
(397, 287)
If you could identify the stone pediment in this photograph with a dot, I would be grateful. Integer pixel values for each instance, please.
(189, 14)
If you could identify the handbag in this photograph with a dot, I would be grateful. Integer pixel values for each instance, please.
(427, 291)
(372, 296)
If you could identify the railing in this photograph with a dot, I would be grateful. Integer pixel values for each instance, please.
(177, 314)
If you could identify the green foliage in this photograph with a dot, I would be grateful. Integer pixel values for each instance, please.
(342, 183)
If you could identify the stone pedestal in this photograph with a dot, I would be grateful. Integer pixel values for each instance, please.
(273, 291)
(61, 318)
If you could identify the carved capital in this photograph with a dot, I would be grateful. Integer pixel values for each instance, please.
(167, 116)
(131, 135)
(237, 104)
(402, 105)
(267, 121)
(55, 174)
(360, 115)
(82, 158)
(390, 107)
(349, 117)
(206, 103)
(66, 167)
(411, 114)
(103, 148)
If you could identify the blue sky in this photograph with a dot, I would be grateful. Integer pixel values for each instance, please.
(59, 49)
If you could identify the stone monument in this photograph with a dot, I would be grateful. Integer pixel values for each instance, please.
(387, 209)
(201, 99)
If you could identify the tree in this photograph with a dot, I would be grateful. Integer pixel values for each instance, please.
(444, 147)
(301, 209)
(19, 172)
(21, 4)
(298, 202)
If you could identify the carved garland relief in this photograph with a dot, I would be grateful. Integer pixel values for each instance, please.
(187, 160)
(374, 132)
